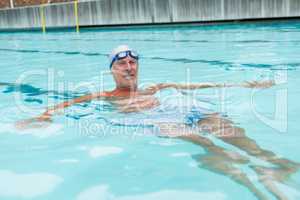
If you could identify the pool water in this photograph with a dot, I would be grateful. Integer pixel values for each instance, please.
(94, 152)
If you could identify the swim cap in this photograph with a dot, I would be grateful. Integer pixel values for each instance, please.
(117, 50)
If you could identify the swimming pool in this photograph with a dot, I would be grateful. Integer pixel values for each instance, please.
(87, 154)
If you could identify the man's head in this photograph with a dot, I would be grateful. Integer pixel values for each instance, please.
(124, 67)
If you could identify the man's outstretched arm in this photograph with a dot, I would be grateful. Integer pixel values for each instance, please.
(193, 86)
(52, 110)
(46, 116)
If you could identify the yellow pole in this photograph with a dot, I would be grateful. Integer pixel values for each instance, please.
(43, 21)
(76, 15)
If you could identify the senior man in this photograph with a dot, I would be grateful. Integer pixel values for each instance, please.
(127, 97)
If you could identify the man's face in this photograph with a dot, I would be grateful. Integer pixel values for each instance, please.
(125, 72)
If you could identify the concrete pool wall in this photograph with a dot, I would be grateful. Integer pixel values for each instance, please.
(124, 12)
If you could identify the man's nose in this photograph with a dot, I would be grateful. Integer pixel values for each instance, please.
(128, 66)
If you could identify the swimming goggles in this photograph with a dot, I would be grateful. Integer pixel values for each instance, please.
(123, 55)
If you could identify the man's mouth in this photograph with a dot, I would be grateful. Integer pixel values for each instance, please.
(129, 76)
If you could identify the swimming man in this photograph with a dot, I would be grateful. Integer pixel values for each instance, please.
(127, 97)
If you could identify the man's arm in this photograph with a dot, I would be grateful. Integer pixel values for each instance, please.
(162, 86)
(247, 84)
(52, 110)
(46, 116)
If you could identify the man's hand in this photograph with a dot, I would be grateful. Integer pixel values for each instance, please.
(37, 122)
(257, 84)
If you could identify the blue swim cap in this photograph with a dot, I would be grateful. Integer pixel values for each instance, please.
(117, 50)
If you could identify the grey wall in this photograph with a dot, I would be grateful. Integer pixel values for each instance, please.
(116, 12)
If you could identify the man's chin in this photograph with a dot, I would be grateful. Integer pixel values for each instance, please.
(129, 82)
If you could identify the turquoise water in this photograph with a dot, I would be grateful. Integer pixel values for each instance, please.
(93, 152)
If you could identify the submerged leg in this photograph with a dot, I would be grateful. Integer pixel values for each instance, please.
(184, 132)
(226, 131)
(217, 159)
(268, 177)
(233, 135)
(219, 164)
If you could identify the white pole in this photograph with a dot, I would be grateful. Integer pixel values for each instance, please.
(11, 3)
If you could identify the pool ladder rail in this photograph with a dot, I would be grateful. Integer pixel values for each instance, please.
(43, 18)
